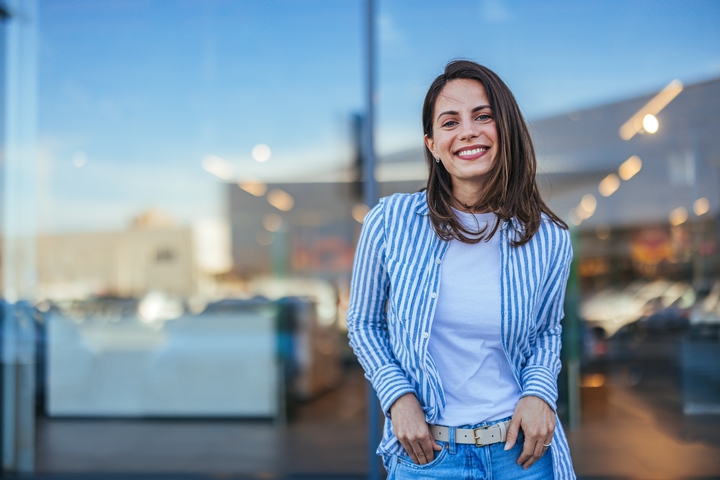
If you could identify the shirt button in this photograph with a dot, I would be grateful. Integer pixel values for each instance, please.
(433, 295)
(438, 261)
(426, 334)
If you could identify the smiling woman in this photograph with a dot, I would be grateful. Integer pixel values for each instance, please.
(457, 296)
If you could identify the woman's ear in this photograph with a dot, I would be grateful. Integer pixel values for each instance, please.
(430, 144)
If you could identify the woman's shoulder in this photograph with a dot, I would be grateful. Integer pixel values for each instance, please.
(548, 229)
(401, 205)
(405, 201)
(550, 237)
(548, 223)
(396, 206)
(554, 236)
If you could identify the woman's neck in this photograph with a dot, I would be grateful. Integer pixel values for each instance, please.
(466, 196)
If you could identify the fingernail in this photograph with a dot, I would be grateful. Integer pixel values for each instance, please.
(507, 445)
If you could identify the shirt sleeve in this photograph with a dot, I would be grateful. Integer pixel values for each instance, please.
(366, 315)
(539, 377)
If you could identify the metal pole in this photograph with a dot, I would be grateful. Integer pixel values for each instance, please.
(373, 419)
(370, 197)
(572, 337)
(17, 222)
(370, 193)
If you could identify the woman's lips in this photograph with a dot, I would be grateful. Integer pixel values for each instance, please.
(471, 153)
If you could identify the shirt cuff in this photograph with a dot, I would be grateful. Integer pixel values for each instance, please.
(540, 382)
(390, 384)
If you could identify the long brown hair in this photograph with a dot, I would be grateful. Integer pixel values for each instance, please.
(511, 190)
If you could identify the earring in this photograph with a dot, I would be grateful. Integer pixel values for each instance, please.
(437, 159)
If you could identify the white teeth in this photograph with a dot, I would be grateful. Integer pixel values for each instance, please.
(473, 151)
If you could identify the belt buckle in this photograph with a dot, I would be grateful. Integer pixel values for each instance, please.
(477, 437)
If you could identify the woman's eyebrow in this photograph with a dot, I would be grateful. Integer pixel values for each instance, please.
(447, 112)
(454, 112)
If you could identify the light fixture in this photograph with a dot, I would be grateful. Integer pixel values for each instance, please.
(254, 187)
(586, 207)
(574, 217)
(218, 167)
(650, 123)
(272, 222)
(261, 152)
(653, 107)
(678, 216)
(280, 200)
(588, 202)
(602, 230)
(630, 167)
(701, 206)
(359, 211)
(609, 185)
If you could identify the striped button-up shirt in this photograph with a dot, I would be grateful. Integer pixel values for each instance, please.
(394, 290)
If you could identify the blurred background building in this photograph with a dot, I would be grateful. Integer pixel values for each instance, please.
(183, 187)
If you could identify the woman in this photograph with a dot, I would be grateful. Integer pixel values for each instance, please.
(457, 296)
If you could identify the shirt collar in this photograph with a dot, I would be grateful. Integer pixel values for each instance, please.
(422, 207)
(510, 229)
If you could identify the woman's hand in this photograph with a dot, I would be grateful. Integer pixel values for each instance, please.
(537, 421)
(410, 427)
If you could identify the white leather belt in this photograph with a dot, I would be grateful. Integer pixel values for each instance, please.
(474, 436)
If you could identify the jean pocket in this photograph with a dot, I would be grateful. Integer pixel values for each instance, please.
(404, 460)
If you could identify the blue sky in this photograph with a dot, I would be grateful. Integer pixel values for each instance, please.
(146, 89)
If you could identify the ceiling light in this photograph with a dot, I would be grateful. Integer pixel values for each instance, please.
(701, 206)
(272, 222)
(261, 152)
(630, 167)
(575, 219)
(678, 216)
(653, 107)
(218, 167)
(280, 200)
(602, 231)
(254, 187)
(588, 202)
(650, 123)
(609, 185)
(359, 211)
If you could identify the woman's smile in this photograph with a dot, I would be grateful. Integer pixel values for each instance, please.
(472, 152)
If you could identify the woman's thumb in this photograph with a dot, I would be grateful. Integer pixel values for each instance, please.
(512, 433)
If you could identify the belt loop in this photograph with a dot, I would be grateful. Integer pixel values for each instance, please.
(451, 440)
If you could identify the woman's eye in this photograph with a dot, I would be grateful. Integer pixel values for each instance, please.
(449, 123)
(484, 117)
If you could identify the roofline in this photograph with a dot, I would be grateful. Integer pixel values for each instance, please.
(599, 106)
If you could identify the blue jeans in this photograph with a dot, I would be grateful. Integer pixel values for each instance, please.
(468, 462)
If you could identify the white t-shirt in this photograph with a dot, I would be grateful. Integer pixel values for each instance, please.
(465, 340)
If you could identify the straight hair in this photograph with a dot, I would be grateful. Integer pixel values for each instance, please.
(511, 190)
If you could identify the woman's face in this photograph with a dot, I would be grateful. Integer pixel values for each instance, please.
(464, 134)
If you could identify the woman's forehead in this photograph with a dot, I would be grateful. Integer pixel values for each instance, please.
(460, 92)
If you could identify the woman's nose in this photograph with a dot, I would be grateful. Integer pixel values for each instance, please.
(468, 130)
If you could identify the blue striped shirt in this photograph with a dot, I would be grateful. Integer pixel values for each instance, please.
(394, 290)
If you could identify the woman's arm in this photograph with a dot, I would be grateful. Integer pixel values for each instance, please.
(535, 412)
(539, 377)
(366, 316)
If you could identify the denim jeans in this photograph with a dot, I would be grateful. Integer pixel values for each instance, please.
(468, 462)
